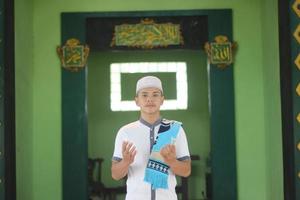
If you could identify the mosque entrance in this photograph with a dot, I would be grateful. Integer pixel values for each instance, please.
(96, 29)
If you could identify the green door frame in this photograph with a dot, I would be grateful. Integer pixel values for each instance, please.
(2, 75)
(289, 19)
(221, 101)
(7, 102)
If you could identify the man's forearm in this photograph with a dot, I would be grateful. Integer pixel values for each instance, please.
(119, 169)
(181, 168)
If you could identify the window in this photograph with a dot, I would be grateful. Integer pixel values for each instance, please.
(117, 69)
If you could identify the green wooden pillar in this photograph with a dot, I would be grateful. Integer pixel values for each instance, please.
(2, 159)
(74, 118)
(7, 102)
(222, 121)
(294, 14)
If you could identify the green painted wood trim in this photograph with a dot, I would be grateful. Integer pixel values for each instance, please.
(295, 51)
(221, 100)
(221, 90)
(2, 159)
(74, 119)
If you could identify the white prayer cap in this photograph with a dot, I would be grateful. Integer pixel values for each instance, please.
(148, 82)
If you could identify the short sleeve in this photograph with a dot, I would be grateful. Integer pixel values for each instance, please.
(117, 155)
(182, 148)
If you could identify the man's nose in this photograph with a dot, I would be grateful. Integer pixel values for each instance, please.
(149, 98)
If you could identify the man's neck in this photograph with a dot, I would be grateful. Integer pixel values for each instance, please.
(151, 119)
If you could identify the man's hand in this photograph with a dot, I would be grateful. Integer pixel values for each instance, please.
(120, 169)
(169, 154)
(128, 152)
(180, 168)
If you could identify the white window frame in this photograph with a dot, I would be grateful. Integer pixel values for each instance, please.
(116, 69)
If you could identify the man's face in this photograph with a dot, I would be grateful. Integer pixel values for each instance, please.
(149, 100)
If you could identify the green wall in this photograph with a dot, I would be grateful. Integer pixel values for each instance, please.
(24, 98)
(40, 138)
(104, 124)
(272, 100)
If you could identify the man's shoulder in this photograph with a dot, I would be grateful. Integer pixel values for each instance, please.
(168, 122)
(131, 125)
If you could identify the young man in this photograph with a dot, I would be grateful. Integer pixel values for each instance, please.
(152, 150)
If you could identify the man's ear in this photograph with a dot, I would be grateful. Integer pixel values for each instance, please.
(136, 101)
(162, 100)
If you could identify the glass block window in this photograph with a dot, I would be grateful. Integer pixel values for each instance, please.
(178, 68)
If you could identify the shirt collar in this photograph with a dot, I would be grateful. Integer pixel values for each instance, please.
(157, 122)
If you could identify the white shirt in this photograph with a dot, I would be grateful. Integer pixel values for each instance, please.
(142, 135)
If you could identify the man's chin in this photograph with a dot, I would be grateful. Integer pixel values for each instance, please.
(151, 111)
